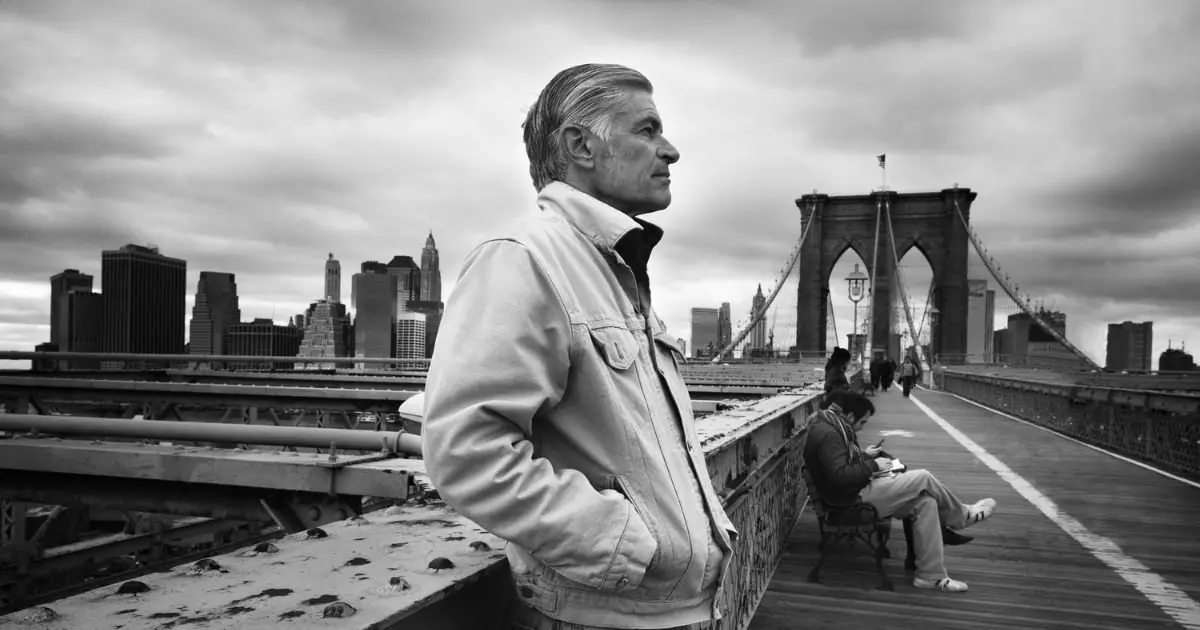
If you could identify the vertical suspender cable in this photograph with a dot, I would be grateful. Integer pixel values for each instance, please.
(904, 294)
(868, 347)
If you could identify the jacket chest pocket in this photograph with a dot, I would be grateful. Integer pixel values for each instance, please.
(618, 347)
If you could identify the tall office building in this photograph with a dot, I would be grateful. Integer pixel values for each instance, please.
(758, 334)
(85, 312)
(431, 272)
(433, 321)
(408, 280)
(979, 321)
(61, 287)
(410, 337)
(373, 293)
(1129, 346)
(705, 332)
(1175, 360)
(261, 338)
(724, 327)
(327, 334)
(216, 309)
(989, 326)
(145, 301)
(333, 280)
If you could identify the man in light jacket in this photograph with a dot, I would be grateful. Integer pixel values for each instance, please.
(556, 417)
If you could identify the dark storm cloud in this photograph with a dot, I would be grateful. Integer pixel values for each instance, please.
(257, 137)
(1154, 189)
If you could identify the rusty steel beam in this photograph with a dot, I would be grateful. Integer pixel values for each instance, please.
(378, 475)
(384, 441)
(134, 495)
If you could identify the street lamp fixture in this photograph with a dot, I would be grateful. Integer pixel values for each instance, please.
(856, 283)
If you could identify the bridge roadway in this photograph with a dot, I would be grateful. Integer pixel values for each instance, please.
(1080, 539)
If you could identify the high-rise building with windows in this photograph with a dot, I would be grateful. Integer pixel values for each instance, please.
(724, 326)
(410, 337)
(261, 338)
(85, 312)
(145, 301)
(758, 333)
(333, 280)
(705, 333)
(981, 315)
(1130, 346)
(327, 335)
(433, 321)
(408, 280)
(373, 295)
(61, 287)
(431, 272)
(215, 310)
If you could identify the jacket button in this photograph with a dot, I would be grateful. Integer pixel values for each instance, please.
(623, 582)
(526, 592)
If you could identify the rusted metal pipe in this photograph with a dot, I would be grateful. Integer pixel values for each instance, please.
(394, 442)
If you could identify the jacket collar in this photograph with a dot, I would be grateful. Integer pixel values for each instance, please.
(602, 224)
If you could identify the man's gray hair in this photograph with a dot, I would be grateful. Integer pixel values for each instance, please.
(583, 95)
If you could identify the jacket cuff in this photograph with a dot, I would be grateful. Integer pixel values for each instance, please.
(872, 465)
(635, 549)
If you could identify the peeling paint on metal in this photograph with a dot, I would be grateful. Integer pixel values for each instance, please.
(358, 564)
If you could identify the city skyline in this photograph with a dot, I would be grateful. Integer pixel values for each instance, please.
(237, 148)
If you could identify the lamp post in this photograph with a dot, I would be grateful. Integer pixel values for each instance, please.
(856, 282)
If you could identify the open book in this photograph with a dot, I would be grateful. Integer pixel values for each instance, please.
(897, 467)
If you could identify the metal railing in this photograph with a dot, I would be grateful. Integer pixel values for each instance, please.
(1156, 427)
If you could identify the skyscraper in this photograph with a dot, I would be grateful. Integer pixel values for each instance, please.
(431, 272)
(433, 321)
(758, 334)
(724, 327)
(1129, 346)
(261, 338)
(145, 301)
(410, 336)
(333, 280)
(979, 321)
(408, 280)
(61, 287)
(216, 309)
(373, 293)
(327, 334)
(705, 332)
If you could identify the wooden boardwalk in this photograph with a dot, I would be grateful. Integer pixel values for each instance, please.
(1024, 569)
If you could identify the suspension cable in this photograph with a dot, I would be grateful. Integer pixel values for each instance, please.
(832, 317)
(903, 293)
(924, 313)
(993, 268)
(755, 317)
(868, 346)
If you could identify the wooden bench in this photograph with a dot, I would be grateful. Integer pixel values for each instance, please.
(859, 522)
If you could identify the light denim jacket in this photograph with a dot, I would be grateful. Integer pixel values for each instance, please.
(544, 411)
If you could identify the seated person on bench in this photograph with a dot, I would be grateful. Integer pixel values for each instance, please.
(843, 472)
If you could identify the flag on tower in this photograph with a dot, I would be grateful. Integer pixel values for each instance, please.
(883, 161)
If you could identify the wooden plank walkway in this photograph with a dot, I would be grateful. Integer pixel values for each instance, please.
(1024, 570)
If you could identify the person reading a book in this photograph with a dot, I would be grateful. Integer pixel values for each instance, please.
(844, 472)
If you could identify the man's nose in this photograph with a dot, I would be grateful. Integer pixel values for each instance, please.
(668, 152)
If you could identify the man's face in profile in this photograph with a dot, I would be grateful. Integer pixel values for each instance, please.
(632, 168)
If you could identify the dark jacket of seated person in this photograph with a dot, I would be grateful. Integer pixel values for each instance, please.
(839, 467)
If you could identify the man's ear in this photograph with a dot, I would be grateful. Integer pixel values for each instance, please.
(579, 146)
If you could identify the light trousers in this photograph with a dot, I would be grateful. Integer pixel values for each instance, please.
(930, 504)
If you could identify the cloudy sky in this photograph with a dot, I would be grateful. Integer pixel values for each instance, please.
(257, 137)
